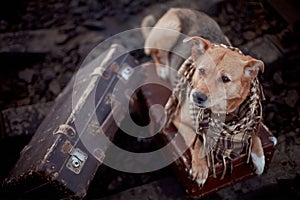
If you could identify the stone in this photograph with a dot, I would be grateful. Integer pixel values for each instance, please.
(70, 47)
(265, 27)
(68, 27)
(237, 26)
(230, 9)
(37, 41)
(270, 116)
(237, 41)
(50, 23)
(80, 10)
(23, 120)
(65, 77)
(54, 87)
(40, 87)
(163, 189)
(249, 35)
(263, 48)
(48, 74)
(94, 25)
(3, 25)
(66, 60)
(277, 77)
(115, 184)
(291, 98)
(26, 75)
(61, 39)
(74, 3)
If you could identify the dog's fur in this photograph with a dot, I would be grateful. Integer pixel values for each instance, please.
(221, 81)
(213, 63)
(164, 41)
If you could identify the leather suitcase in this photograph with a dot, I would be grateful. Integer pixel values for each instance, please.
(70, 144)
(158, 94)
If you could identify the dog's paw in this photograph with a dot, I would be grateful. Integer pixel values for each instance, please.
(273, 139)
(259, 163)
(199, 172)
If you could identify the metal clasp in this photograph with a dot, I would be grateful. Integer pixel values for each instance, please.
(126, 72)
(76, 160)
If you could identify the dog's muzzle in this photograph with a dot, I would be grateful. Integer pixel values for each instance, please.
(199, 98)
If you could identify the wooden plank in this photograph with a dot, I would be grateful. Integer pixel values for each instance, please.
(163, 189)
(288, 9)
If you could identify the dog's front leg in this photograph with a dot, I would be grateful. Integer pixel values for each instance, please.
(161, 61)
(257, 154)
(199, 170)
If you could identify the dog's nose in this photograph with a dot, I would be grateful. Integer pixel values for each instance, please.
(199, 97)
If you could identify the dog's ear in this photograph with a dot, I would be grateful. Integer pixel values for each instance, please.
(199, 47)
(253, 67)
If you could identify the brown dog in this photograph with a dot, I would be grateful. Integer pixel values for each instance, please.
(219, 81)
(164, 41)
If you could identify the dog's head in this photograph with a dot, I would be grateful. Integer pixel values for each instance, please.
(222, 77)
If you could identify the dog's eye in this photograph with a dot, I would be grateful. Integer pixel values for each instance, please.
(202, 71)
(225, 79)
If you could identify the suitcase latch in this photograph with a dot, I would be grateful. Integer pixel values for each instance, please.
(126, 72)
(76, 160)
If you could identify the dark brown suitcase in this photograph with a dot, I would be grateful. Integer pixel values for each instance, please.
(65, 152)
(158, 94)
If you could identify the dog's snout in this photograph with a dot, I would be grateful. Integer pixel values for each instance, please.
(199, 97)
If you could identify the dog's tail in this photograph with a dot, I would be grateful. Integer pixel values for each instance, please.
(147, 23)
